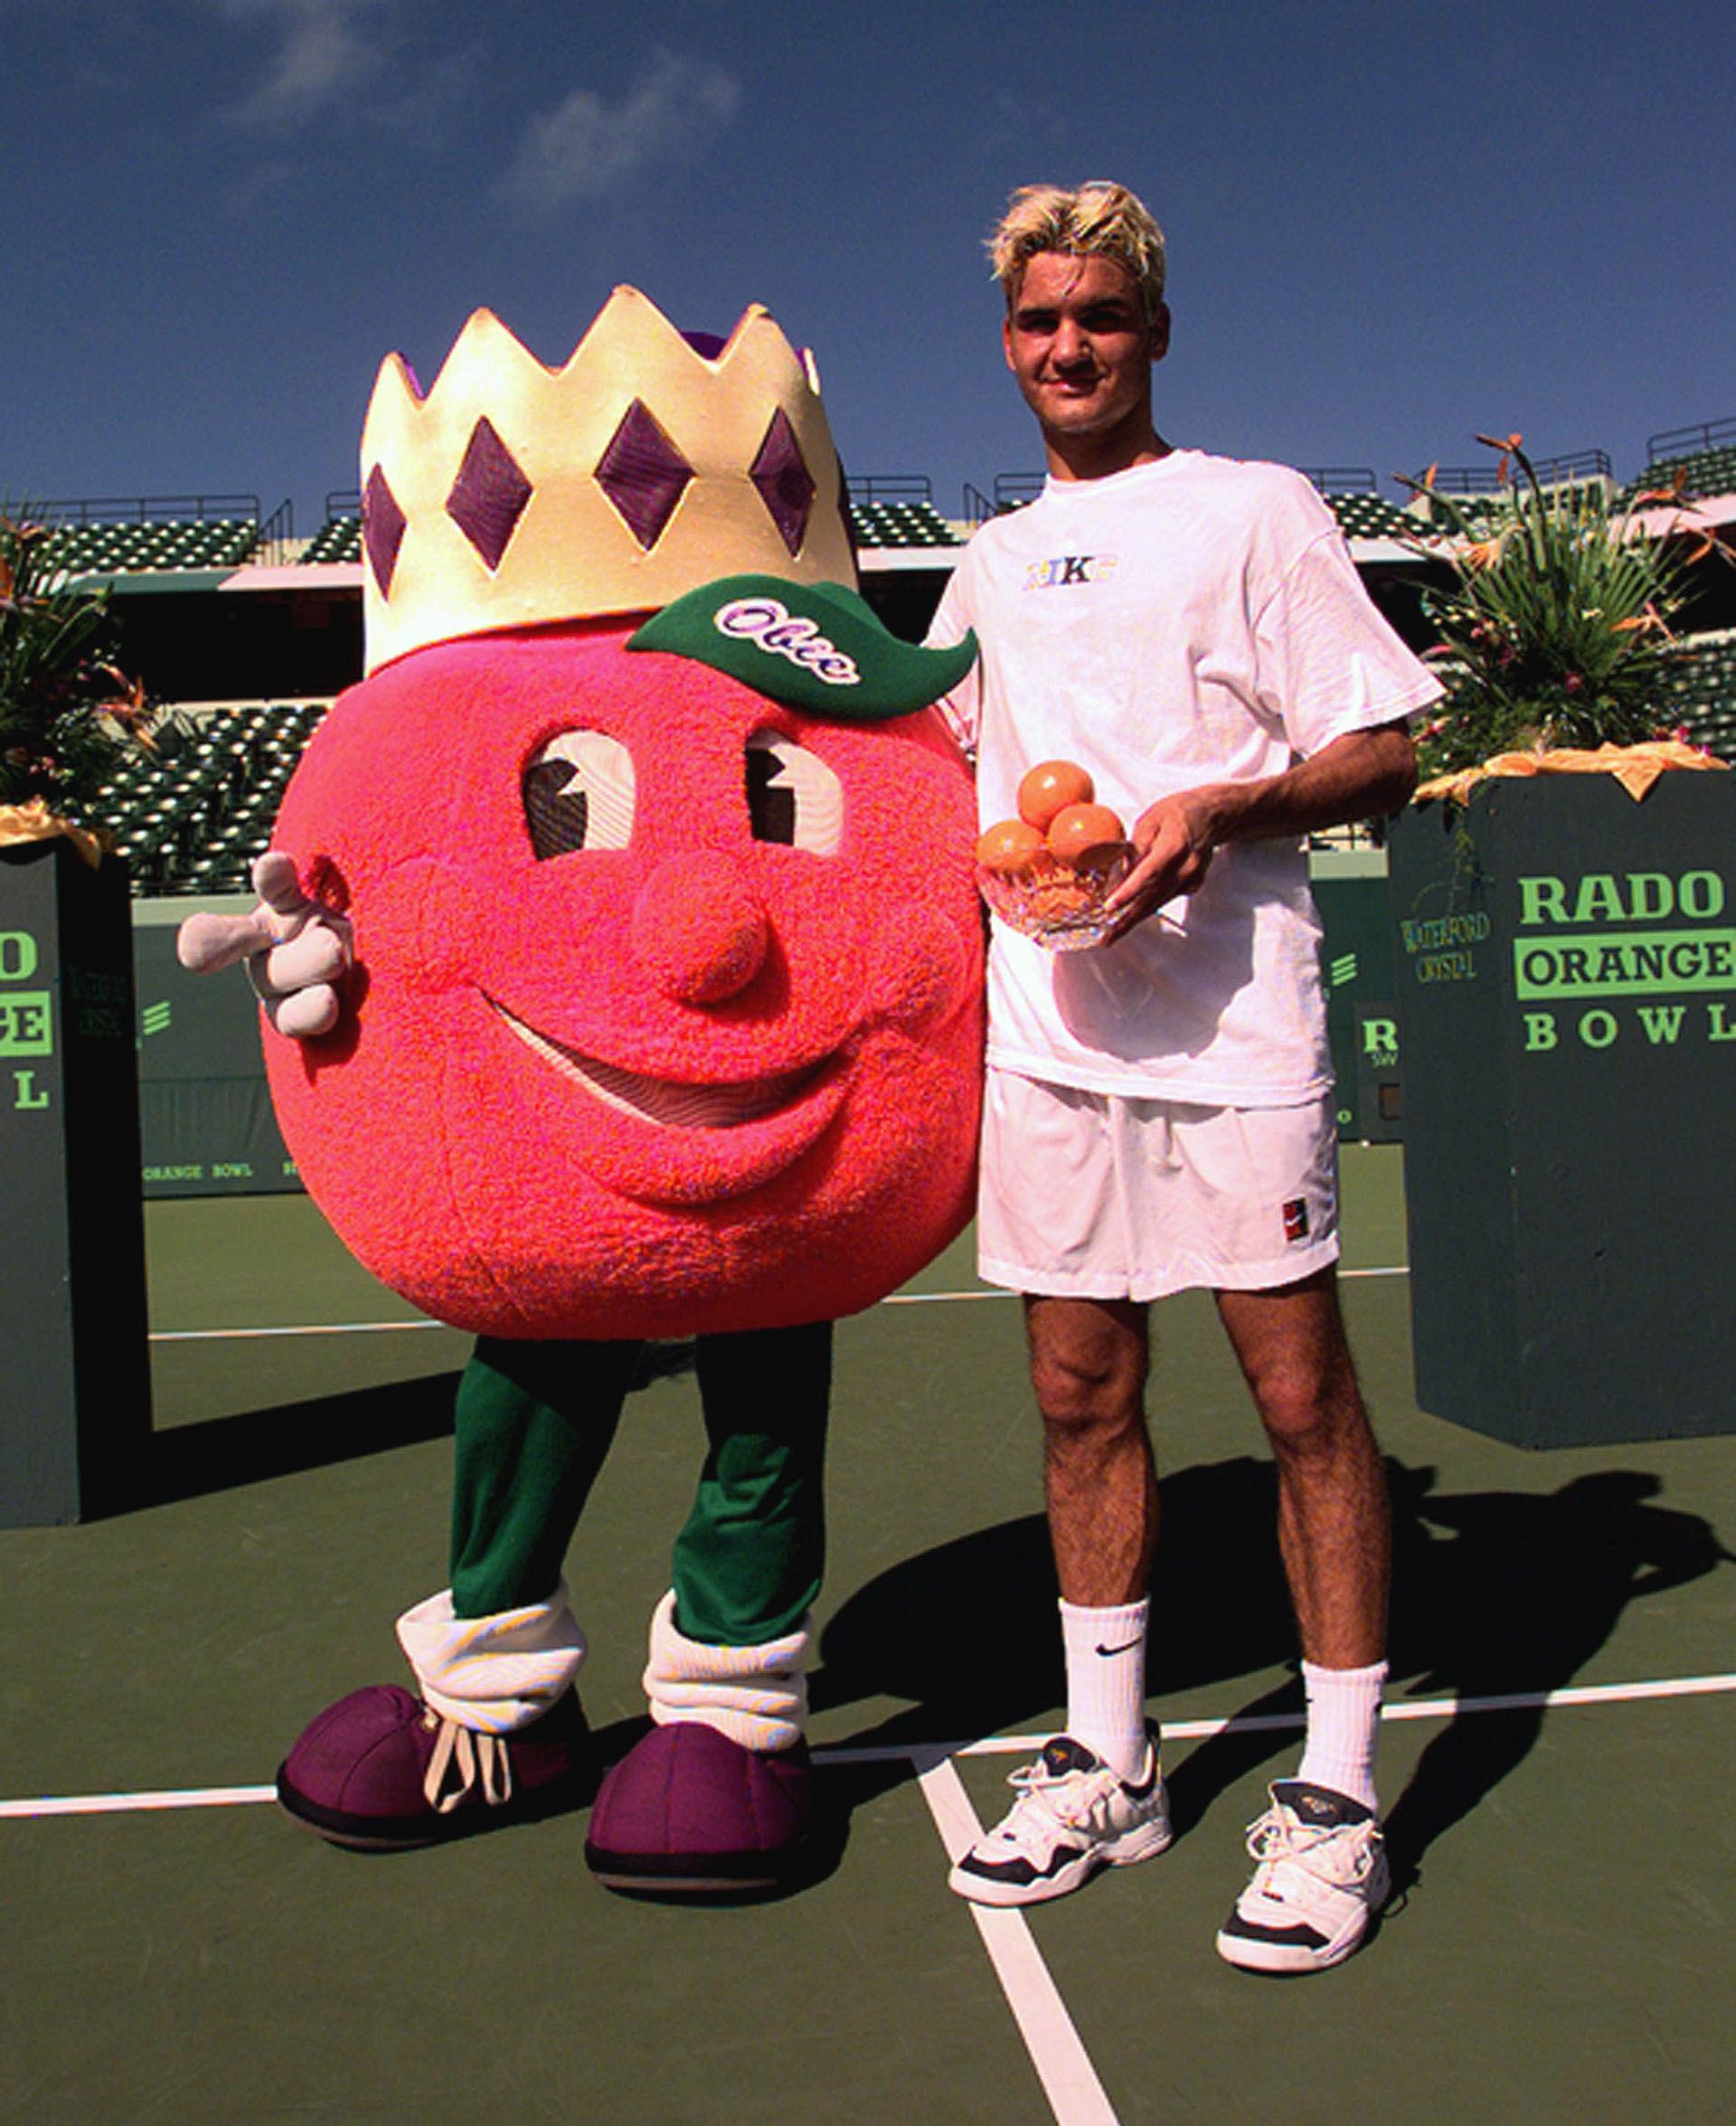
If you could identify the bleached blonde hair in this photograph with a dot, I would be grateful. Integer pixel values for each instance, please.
(1097, 220)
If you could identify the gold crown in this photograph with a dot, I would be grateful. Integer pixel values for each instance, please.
(511, 494)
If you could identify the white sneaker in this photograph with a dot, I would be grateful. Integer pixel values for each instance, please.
(1322, 1876)
(1074, 1816)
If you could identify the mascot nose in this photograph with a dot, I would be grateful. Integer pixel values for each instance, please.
(700, 928)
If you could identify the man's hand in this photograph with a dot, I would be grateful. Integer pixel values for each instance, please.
(297, 950)
(1174, 839)
(1360, 776)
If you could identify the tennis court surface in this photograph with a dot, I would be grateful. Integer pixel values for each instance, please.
(1555, 1768)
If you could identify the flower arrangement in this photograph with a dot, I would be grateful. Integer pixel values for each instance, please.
(66, 710)
(1555, 632)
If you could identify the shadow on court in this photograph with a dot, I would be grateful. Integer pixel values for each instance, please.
(1495, 1593)
(251, 1447)
(1500, 1592)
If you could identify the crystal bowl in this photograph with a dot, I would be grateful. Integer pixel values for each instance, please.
(1055, 904)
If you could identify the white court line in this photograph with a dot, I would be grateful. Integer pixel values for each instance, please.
(994, 1745)
(311, 1329)
(930, 1298)
(1063, 2066)
(1076, 2096)
(369, 1328)
(198, 1797)
(1581, 1694)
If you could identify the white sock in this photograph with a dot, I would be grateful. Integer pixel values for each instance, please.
(1343, 1719)
(495, 1674)
(1106, 1682)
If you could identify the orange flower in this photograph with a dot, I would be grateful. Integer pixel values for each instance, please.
(130, 709)
(1708, 542)
(1649, 621)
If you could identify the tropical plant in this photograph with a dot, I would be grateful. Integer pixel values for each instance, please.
(66, 710)
(1555, 630)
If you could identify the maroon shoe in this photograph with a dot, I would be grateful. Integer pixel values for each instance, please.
(688, 1812)
(381, 1770)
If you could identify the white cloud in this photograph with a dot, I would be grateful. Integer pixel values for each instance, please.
(325, 51)
(586, 146)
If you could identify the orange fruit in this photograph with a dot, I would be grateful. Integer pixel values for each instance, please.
(1010, 846)
(1077, 830)
(1049, 786)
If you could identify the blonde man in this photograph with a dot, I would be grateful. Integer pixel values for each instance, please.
(1159, 1114)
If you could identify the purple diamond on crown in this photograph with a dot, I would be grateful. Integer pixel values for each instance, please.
(489, 495)
(785, 484)
(382, 528)
(643, 474)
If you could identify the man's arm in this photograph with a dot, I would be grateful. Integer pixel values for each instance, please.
(1361, 776)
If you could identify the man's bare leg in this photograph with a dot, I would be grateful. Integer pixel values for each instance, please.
(1320, 1867)
(1335, 1523)
(1088, 1365)
(1095, 1798)
(1089, 1359)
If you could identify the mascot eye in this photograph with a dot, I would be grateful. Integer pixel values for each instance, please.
(793, 797)
(579, 794)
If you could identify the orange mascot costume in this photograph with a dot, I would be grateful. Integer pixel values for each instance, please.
(621, 965)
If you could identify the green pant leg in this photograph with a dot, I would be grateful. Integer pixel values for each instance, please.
(535, 1422)
(748, 1563)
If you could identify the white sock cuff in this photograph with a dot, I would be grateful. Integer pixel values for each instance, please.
(1123, 1621)
(495, 1673)
(1373, 1677)
(754, 1695)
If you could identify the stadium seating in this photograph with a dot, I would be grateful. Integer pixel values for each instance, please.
(900, 523)
(1700, 692)
(119, 546)
(1371, 516)
(339, 538)
(1704, 472)
(191, 816)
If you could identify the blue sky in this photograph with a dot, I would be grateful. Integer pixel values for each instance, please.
(1390, 226)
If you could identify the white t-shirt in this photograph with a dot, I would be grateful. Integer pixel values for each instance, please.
(1196, 619)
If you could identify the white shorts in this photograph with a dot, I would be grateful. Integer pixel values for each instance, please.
(1094, 1195)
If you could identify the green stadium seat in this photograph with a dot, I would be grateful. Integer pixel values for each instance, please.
(900, 525)
(193, 815)
(338, 539)
(1703, 472)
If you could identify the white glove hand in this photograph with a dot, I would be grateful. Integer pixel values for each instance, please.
(296, 950)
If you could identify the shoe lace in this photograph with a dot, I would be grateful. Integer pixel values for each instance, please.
(469, 1760)
(1342, 1853)
(1070, 1798)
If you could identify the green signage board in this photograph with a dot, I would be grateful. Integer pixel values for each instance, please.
(205, 1112)
(1566, 982)
(75, 1409)
(1357, 973)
